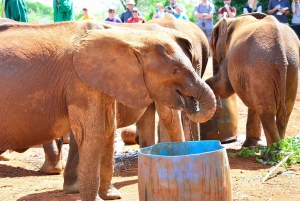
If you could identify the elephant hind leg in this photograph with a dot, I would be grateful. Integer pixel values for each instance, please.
(270, 128)
(253, 129)
(71, 184)
(53, 157)
(282, 128)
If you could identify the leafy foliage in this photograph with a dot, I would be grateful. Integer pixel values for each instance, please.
(274, 153)
(38, 12)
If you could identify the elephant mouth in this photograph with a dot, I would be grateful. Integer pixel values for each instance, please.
(189, 103)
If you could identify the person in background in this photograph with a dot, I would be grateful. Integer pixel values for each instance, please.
(280, 10)
(180, 15)
(227, 11)
(204, 12)
(63, 10)
(169, 10)
(15, 10)
(159, 11)
(86, 15)
(111, 16)
(296, 12)
(128, 13)
(173, 4)
(252, 6)
(135, 17)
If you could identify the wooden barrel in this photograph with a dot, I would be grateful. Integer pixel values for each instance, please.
(223, 126)
(193, 171)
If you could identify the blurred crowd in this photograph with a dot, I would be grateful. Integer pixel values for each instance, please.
(203, 11)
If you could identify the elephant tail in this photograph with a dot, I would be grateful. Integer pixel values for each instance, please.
(283, 72)
(282, 65)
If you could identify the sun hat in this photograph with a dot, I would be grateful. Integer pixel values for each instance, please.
(130, 2)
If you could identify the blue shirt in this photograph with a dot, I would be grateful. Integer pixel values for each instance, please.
(296, 16)
(283, 4)
(117, 20)
(126, 15)
(208, 8)
(181, 16)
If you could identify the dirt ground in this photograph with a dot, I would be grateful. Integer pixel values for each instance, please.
(20, 179)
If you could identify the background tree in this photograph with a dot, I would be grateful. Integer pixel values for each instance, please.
(38, 12)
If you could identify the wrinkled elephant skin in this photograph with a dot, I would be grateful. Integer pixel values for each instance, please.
(60, 76)
(258, 59)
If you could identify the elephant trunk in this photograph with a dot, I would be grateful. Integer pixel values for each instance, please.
(207, 104)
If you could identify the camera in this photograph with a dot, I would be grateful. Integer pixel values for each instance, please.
(203, 24)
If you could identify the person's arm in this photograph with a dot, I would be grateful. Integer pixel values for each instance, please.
(270, 10)
(230, 14)
(65, 5)
(220, 14)
(259, 9)
(210, 14)
(198, 15)
(285, 11)
(293, 7)
(233, 12)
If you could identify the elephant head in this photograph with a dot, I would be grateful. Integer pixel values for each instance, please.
(147, 68)
(200, 48)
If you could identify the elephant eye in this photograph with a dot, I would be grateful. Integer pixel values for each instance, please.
(176, 70)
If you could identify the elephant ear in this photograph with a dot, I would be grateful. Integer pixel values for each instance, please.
(111, 65)
(256, 15)
(218, 40)
(186, 46)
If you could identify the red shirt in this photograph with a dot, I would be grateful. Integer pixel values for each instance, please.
(136, 20)
(223, 9)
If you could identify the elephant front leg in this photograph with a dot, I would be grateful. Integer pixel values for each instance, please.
(53, 157)
(253, 129)
(107, 191)
(145, 127)
(172, 127)
(88, 125)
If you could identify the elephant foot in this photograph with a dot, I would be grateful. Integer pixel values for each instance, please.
(251, 142)
(111, 194)
(5, 156)
(49, 168)
(71, 188)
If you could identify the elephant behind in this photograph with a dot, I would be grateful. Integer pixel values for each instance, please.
(258, 59)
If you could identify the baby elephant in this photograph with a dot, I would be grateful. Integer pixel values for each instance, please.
(258, 59)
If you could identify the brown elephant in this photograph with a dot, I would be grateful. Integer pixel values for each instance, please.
(60, 76)
(258, 59)
(170, 120)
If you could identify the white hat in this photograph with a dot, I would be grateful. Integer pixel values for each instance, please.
(130, 2)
